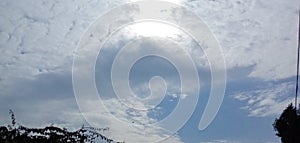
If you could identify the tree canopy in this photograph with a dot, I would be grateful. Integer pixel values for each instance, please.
(287, 126)
(50, 134)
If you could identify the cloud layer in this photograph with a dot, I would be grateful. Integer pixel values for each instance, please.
(267, 100)
(254, 33)
(38, 41)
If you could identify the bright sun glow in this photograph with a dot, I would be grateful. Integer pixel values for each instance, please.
(158, 29)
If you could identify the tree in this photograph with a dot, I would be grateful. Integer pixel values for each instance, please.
(287, 126)
(49, 134)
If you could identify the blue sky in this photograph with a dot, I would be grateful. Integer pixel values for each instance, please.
(38, 41)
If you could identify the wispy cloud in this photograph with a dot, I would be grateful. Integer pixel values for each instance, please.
(221, 141)
(40, 37)
(44, 103)
(130, 125)
(267, 100)
(251, 34)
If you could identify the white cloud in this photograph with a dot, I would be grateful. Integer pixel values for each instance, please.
(182, 95)
(267, 101)
(128, 124)
(221, 141)
(39, 37)
(44, 101)
(252, 34)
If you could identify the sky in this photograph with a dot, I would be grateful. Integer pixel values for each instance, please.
(77, 62)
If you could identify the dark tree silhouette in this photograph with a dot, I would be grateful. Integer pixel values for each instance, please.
(287, 126)
(49, 134)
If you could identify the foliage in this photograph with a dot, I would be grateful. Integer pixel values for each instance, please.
(287, 126)
(49, 134)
